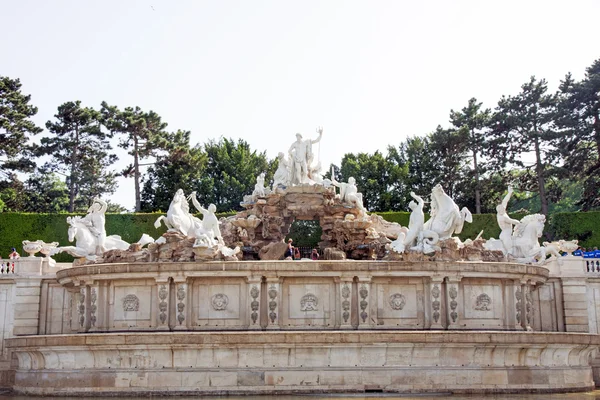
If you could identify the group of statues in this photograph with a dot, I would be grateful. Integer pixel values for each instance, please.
(518, 239)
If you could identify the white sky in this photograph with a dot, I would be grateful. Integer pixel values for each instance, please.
(370, 72)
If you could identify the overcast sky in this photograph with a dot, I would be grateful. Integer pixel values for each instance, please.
(370, 72)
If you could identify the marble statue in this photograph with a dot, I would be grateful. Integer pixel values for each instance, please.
(301, 157)
(506, 223)
(282, 175)
(97, 219)
(526, 247)
(179, 217)
(210, 223)
(86, 241)
(259, 187)
(446, 218)
(417, 238)
(349, 192)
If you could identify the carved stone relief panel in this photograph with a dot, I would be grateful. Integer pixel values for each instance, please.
(132, 305)
(219, 301)
(308, 300)
(482, 300)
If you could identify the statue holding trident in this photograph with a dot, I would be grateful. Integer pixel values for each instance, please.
(301, 157)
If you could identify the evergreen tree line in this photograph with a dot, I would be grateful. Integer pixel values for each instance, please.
(545, 144)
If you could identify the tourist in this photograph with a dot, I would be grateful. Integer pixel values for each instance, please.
(14, 255)
(289, 252)
(578, 252)
(314, 255)
(296, 253)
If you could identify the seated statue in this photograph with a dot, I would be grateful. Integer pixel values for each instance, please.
(349, 193)
(282, 175)
(259, 187)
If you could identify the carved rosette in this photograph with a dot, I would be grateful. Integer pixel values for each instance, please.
(518, 306)
(483, 302)
(397, 301)
(254, 304)
(453, 293)
(346, 302)
(162, 304)
(81, 307)
(436, 304)
(93, 306)
(180, 303)
(272, 303)
(363, 293)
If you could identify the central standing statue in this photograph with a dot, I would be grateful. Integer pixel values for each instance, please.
(301, 157)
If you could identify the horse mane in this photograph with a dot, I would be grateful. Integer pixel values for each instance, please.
(526, 221)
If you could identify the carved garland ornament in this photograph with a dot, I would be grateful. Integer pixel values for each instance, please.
(272, 303)
(81, 307)
(181, 304)
(131, 303)
(346, 302)
(162, 305)
(435, 304)
(93, 306)
(363, 292)
(453, 303)
(519, 297)
(254, 293)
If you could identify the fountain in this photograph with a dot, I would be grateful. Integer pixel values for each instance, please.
(394, 309)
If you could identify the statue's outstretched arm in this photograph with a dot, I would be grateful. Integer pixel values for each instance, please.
(507, 197)
(102, 203)
(317, 140)
(418, 198)
(196, 204)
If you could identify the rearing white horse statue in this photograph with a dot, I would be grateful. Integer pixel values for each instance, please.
(446, 218)
(179, 217)
(86, 242)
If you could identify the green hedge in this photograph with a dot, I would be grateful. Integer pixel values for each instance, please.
(16, 227)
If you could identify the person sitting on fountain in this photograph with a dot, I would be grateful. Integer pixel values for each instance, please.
(97, 220)
(506, 223)
(210, 222)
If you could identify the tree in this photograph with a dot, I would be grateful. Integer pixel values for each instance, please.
(16, 127)
(182, 167)
(231, 172)
(475, 122)
(521, 124)
(80, 150)
(579, 138)
(46, 193)
(12, 194)
(141, 133)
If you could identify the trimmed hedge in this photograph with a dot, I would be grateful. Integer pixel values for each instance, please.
(16, 227)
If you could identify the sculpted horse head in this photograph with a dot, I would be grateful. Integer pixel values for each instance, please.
(80, 232)
(526, 235)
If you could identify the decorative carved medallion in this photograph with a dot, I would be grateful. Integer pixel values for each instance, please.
(254, 293)
(363, 292)
(397, 301)
(309, 302)
(220, 301)
(346, 302)
(483, 303)
(131, 303)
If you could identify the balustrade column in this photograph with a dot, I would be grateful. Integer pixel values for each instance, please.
(253, 302)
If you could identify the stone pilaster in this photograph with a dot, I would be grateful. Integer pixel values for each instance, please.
(365, 319)
(83, 309)
(345, 296)
(528, 303)
(273, 302)
(575, 301)
(253, 302)
(162, 303)
(512, 311)
(453, 292)
(95, 313)
(436, 315)
(181, 304)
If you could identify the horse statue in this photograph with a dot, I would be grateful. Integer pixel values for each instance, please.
(179, 218)
(526, 247)
(86, 243)
(446, 218)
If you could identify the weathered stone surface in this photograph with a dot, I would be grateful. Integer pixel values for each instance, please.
(273, 251)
